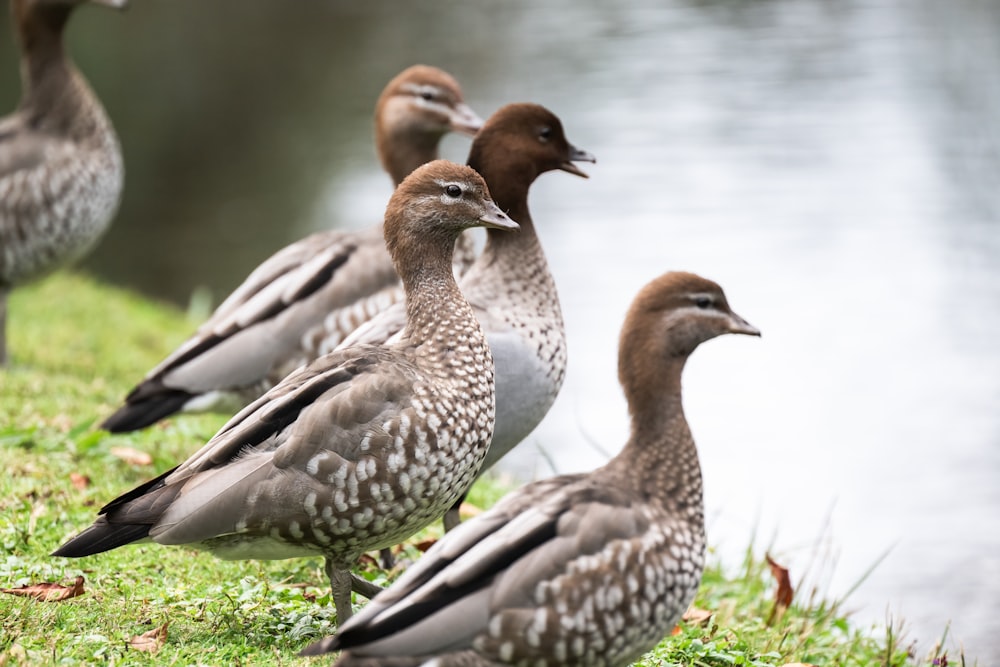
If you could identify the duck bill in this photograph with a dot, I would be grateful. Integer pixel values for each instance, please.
(738, 325)
(577, 155)
(494, 218)
(464, 119)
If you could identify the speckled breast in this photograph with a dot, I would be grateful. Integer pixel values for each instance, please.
(53, 213)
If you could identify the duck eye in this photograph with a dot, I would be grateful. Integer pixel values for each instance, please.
(453, 191)
(545, 134)
(427, 95)
(702, 302)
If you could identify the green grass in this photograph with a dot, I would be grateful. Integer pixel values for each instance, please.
(76, 348)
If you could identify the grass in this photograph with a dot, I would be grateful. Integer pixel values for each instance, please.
(76, 348)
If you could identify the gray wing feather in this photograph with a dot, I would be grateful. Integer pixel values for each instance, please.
(253, 454)
(264, 319)
(242, 431)
(383, 329)
(288, 261)
(210, 503)
(582, 519)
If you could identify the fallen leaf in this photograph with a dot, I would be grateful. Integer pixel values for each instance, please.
(150, 642)
(47, 591)
(367, 560)
(424, 545)
(132, 456)
(697, 616)
(79, 481)
(783, 596)
(676, 631)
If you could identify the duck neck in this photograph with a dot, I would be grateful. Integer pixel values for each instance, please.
(40, 29)
(513, 252)
(660, 459)
(403, 150)
(438, 317)
(55, 95)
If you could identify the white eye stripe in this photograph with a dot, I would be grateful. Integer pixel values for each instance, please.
(430, 97)
(447, 197)
(689, 312)
(703, 301)
(421, 90)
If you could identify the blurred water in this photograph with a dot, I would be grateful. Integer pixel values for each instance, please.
(833, 165)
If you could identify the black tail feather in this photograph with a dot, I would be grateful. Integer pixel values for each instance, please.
(102, 536)
(146, 411)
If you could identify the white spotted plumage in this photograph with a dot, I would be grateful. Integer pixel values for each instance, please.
(580, 569)
(310, 451)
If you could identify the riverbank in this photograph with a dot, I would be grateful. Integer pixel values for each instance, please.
(76, 347)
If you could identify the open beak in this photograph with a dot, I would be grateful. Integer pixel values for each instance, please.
(464, 119)
(577, 155)
(493, 218)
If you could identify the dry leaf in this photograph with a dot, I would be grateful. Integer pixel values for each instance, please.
(697, 616)
(424, 545)
(150, 642)
(132, 456)
(676, 631)
(783, 596)
(48, 592)
(79, 481)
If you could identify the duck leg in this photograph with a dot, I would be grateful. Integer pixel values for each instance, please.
(340, 584)
(451, 517)
(362, 586)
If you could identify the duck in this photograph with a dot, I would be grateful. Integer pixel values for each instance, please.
(583, 569)
(509, 285)
(302, 300)
(61, 167)
(358, 449)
